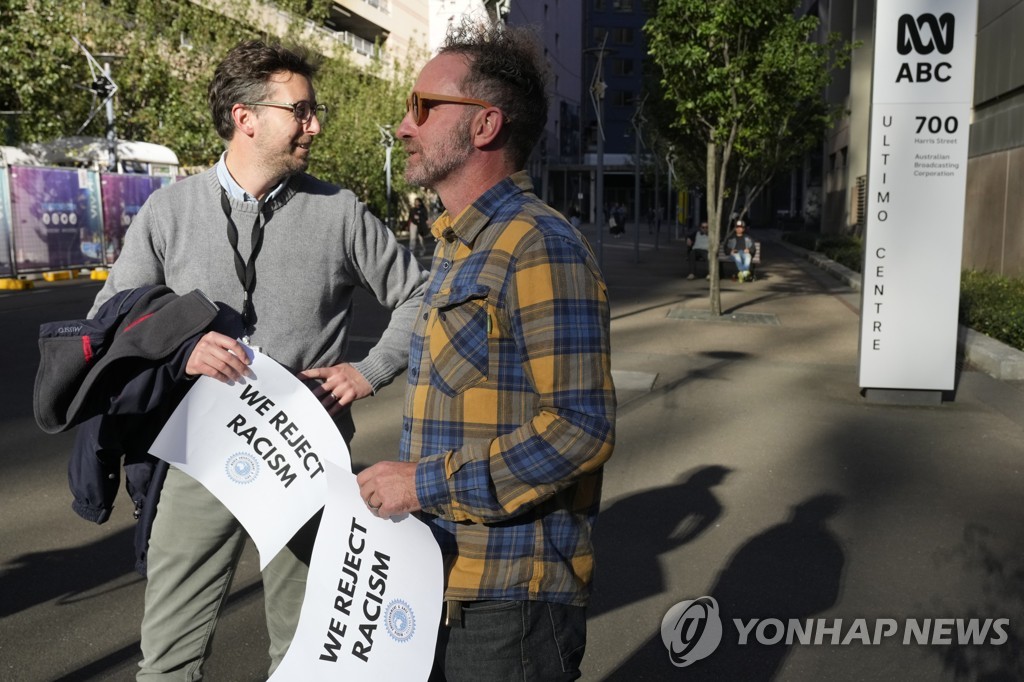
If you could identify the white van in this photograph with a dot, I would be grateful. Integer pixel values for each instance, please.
(93, 153)
(16, 156)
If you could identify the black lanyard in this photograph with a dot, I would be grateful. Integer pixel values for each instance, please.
(246, 271)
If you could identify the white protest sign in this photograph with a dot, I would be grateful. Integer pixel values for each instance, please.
(373, 595)
(260, 446)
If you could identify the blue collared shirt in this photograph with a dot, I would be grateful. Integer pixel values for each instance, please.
(235, 190)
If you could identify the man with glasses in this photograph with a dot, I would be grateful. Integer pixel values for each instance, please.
(310, 243)
(510, 408)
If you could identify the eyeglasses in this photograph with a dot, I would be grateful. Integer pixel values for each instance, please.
(302, 110)
(419, 104)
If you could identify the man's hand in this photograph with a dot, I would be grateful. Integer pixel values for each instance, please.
(341, 385)
(389, 488)
(220, 357)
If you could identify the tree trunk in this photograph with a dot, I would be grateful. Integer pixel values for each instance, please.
(714, 203)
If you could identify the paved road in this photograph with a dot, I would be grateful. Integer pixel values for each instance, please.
(70, 601)
(754, 472)
(747, 468)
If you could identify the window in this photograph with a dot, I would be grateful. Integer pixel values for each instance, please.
(622, 36)
(621, 98)
(622, 67)
(622, 5)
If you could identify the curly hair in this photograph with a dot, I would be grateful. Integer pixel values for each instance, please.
(243, 76)
(506, 68)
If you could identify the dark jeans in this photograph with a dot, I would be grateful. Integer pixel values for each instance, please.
(694, 255)
(513, 641)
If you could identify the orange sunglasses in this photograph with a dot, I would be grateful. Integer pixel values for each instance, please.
(419, 104)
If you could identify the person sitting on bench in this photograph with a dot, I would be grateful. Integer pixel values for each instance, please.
(697, 248)
(741, 248)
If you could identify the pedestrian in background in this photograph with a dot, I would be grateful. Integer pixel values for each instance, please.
(510, 408)
(741, 248)
(619, 213)
(419, 228)
(257, 212)
(697, 249)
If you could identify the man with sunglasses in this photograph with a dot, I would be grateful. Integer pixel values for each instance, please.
(510, 408)
(310, 243)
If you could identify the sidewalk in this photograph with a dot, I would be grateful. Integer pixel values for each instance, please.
(749, 468)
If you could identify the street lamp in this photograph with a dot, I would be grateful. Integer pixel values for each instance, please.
(103, 89)
(387, 139)
(670, 174)
(638, 121)
(597, 90)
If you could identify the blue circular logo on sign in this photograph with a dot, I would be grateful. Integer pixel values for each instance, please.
(242, 468)
(399, 620)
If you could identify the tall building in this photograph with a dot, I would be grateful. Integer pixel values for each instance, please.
(573, 34)
(395, 26)
(617, 27)
(366, 29)
(564, 165)
(556, 162)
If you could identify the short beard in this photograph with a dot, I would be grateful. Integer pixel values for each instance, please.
(444, 160)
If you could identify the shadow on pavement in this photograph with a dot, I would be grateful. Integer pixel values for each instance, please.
(66, 575)
(1000, 571)
(790, 571)
(633, 532)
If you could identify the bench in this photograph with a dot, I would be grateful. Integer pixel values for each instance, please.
(723, 257)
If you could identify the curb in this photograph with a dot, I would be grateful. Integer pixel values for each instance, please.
(841, 272)
(13, 284)
(992, 357)
(29, 281)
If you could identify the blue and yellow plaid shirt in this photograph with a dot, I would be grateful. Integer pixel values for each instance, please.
(510, 411)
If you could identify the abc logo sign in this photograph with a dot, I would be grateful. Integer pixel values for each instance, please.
(924, 35)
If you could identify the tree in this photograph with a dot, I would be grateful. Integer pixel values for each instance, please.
(161, 78)
(166, 52)
(349, 150)
(741, 75)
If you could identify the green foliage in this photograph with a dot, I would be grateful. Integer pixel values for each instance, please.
(847, 250)
(166, 52)
(736, 61)
(350, 150)
(746, 80)
(162, 83)
(994, 306)
(851, 257)
(37, 71)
